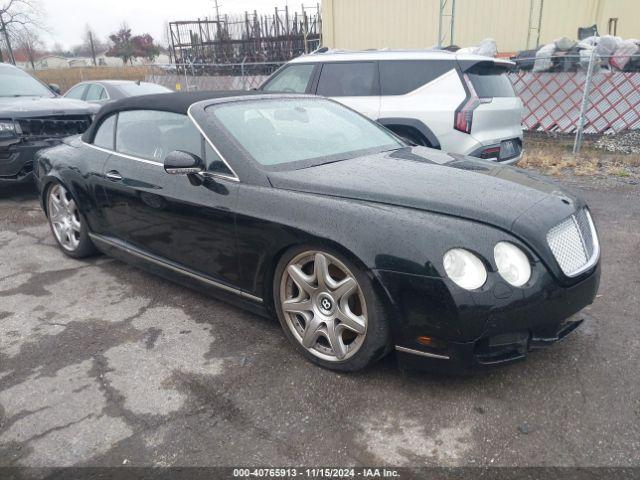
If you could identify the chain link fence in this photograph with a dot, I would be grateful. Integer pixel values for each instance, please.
(179, 77)
(199, 76)
(582, 94)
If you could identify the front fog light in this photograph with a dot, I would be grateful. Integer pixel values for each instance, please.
(464, 268)
(513, 265)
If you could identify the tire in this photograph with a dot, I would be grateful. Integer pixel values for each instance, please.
(68, 226)
(339, 323)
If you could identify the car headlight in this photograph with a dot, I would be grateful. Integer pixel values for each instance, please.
(7, 129)
(513, 265)
(464, 268)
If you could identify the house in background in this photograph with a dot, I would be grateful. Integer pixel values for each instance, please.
(103, 61)
(79, 62)
(47, 62)
(161, 59)
(22, 59)
(51, 61)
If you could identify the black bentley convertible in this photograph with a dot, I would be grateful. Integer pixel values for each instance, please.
(300, 207)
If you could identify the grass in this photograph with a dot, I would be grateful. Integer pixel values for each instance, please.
(554, 156)
(621, 173)
(66, 78)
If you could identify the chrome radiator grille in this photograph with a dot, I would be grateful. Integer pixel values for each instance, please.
(574, 243)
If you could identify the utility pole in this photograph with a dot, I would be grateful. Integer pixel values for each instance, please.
(216, 55)
(93, 49)
(451, 18)
(535, 24)
(217, 10)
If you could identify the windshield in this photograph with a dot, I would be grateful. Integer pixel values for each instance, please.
(282, 131)
(132, 89)
(16, 83)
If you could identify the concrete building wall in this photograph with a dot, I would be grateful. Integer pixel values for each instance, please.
(361, 24)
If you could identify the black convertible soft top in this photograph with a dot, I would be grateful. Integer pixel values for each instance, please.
(166, 102)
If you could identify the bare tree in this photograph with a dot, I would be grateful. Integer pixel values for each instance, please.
(15, 15)
(28, 41)
(58, 49)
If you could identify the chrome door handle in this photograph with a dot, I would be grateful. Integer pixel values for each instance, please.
(113, 175)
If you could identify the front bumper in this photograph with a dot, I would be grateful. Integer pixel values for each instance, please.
(467, 358)
(476, 331)
(17, 160)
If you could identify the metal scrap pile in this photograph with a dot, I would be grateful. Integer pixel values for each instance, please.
(566, 55)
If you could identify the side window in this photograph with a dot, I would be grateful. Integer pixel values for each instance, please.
(293, 78)
(152, 134)
(398, 77)
(76, 92)
(95, 92)
(348, 79)
(214, 162)
(104, 135)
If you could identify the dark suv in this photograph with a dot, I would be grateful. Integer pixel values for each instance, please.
(32, 117)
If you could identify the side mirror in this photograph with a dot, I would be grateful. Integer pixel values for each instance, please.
(182, 163)
(55, 88)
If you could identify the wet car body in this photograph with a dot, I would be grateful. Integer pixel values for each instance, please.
(395, 213)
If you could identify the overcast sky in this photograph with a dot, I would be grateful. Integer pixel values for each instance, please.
(66, 19)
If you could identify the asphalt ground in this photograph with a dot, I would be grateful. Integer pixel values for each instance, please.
(103, 364)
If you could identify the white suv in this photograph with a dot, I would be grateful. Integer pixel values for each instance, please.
(458, 103)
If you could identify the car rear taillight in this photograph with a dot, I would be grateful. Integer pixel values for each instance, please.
(464, 113)
(491, 152)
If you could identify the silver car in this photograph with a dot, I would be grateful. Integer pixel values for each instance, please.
(101, 91)
(457, 103)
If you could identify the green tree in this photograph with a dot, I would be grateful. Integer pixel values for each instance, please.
(128, 47)
(143, 47)
(122, 45)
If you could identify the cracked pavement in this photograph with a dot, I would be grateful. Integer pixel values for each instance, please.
(102, 364)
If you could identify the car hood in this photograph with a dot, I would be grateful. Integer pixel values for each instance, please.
(22, 107)
(434, 181)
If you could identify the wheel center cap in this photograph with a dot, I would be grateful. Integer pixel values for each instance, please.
(325, 303)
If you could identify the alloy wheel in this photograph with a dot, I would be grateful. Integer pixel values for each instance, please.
(323, 306)
(64, 218)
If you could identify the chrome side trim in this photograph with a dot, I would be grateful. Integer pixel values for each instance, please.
(124, 155)
(183, 271)
(160, 164)
(423, 354)
(235, 177)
